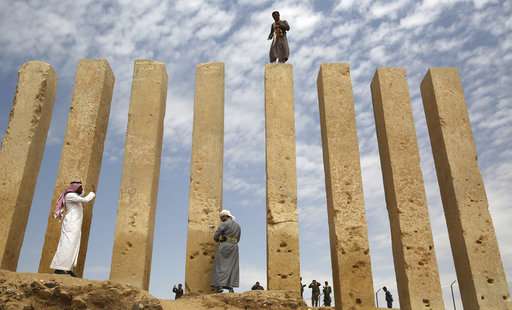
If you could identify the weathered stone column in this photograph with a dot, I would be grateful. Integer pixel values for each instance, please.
(205, 195)
(133, 244)
(283, 260)
(21, 154)
(416, 270)
(475, 250)
(348, 231)
(82, 150)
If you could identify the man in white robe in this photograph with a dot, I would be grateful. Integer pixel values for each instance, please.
(70, 208)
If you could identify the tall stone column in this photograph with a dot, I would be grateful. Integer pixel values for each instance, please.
(205, 195)
(416, 270)
(21, 154)
(348, 231)
(283, 259)
(478, 264)
(82, 150)
(133, 244)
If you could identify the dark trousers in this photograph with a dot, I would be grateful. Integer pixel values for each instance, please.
(390, 304)
(314, 300)
(327, 302)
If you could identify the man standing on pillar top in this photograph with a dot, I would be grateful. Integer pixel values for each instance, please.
(70, 208)
(226, 270)
(279, 48)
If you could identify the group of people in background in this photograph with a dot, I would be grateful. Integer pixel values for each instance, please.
(316, 294)
(326, 292)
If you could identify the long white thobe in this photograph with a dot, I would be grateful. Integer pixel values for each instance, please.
(66, 255)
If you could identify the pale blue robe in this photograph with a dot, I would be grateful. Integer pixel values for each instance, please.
(226, 266)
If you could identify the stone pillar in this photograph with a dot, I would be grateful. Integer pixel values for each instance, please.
(205, 194)
(283, 260)
(82, 150)
(416, 270)
(348, 231)
(480, 273)
(133, 244)
(21, 154)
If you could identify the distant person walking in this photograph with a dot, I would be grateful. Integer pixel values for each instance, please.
(226, 268)
(69, 209)
(178, 291)
(257, 287)
(389, 297)
(315, 293)
(279, 48)
(302, 286)
(327, 290)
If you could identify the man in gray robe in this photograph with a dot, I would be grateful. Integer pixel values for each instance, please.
(279, 49)
(226, 270)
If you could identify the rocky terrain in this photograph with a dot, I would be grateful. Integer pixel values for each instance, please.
(28, 291)
(48, 291)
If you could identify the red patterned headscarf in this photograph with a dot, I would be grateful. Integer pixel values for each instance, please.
(59, 207)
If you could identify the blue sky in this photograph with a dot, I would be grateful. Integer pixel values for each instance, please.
(474, 36)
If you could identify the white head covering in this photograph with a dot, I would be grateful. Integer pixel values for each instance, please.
(227, 213)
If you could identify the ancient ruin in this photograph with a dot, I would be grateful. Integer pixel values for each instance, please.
(348, 232)
(480, 272)
(283, 261)
(133, 245)
(205, 193)
(413, 247)
(85, 137)
(21, 154)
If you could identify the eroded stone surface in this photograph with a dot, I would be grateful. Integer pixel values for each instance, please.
(348, 231)
(283, 261)
(413, 247)
(205, 195)
(21, 154)
(82, 151)
(31, 291)
(480, 273)
(133, 245)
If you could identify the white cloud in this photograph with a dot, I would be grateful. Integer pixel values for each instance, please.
(426, 13)
(387, 9)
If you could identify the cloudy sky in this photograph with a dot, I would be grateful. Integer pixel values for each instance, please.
(474, 36)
